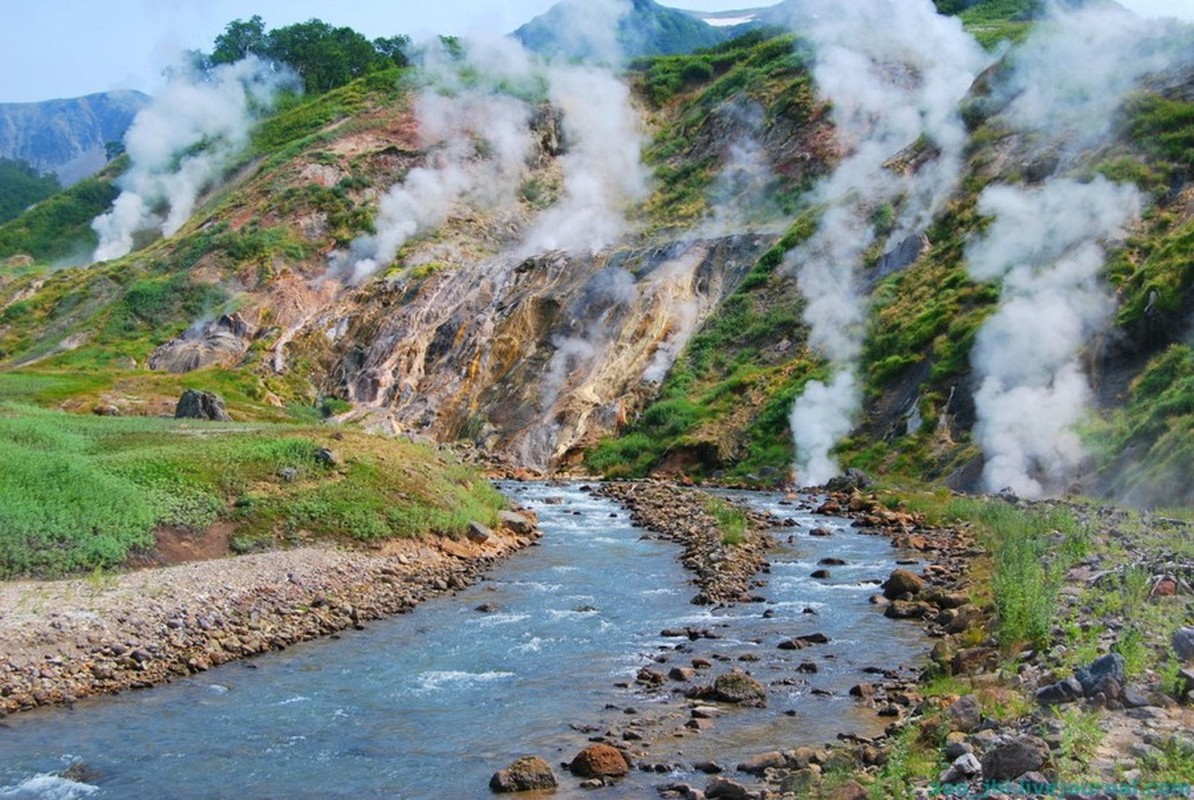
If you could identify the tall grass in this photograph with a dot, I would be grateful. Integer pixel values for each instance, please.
(79, 493)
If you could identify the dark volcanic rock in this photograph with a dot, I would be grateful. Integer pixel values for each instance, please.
(1092, 677)
(1013, 757)
(527, 774)
(195, 404)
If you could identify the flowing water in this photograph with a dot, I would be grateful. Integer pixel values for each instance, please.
(429, 704)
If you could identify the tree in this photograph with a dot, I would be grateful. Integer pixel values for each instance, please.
(239, 39)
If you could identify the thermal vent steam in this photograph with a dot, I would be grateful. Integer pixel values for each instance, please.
(894, 71)
(603, 170)
(1043, 246)
(180, 144)
(1046, 242)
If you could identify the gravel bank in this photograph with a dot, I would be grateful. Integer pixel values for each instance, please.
(65, 640)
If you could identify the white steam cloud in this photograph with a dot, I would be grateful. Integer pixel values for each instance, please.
(1043, 245)
(479, 139)
(180, 144)
(1046, 242)
(894, 71)
(603, 170)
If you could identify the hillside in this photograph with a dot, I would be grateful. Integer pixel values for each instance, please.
(561, 272)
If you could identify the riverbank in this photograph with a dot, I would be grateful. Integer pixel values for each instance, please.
(66, 640)
(1101, 698)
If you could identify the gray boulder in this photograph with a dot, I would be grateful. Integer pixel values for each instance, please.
(1093, 677)
(1012, 757)
(195, 404)
(1183, 643)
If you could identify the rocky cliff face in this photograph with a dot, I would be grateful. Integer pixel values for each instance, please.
(67, 137)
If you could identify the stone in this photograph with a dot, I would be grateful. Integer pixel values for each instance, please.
(973, 659)
(799, 781)
(1109, 666)
(763, 762)
(1014, 756)
(963, 768)
(955, 750)
(599, 761)
(902, 582)
(195, 404)
(682, 673)
(517, 523)
(592, 783)
(650, 677)
(739, 688)
(1183, 643)
(902, 609)
(1065, 691)
(708, 767)
(723, 789)
(1134, 698)
(478, 533)
(821, 574)
(527, 774)
(965, 715)
(327, 456)
(705, 712)
(850, 790)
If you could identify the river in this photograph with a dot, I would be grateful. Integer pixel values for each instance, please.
(429, 704)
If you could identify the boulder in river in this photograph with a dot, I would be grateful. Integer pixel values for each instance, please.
(527, 774)
(195, 404)
(902, 582)
(739, 688)
(599, 761)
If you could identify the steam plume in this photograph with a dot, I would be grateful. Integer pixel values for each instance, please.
(603, 170)
(1046, 243)
(181, 143)
(895, 71)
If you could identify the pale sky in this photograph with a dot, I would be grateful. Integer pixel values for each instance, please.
(68, 48)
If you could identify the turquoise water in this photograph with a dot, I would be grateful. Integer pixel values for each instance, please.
(429, 704)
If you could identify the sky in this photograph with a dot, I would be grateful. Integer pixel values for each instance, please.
(68, 48)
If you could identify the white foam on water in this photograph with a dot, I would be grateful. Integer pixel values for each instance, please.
(438, 680)
(493, 620)
(47, 786)
(292, 700)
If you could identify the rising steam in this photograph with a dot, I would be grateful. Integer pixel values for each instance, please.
(895, 71)
(180, 144)
(1046, 243)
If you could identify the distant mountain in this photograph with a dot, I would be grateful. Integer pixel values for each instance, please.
(67, 137)
(571, 29)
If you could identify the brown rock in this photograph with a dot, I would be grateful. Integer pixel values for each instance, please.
(527, 774)
(902, 582)
(599, 761)
(762, 762)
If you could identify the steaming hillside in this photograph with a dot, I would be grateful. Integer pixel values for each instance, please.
(866, 244)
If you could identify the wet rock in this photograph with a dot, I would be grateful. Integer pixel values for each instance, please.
(964, 767)
(1092, 677)
(527, 774)
(863, 690)
(599, 761)
(820, 574)
(902, 582)
(708, 767)
(592, 783)
(723, 789)
(705, 712)
(903, 609)
(761, 763)
(682, 673)
(195, 404)
(739, 688)
(650, 677)
(1014, 756)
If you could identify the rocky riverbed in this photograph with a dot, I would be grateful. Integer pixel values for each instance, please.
(66, 640)
(996, 721)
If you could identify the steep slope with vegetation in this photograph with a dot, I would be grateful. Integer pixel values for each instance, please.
(682, 342)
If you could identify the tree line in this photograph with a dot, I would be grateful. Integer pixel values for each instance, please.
(324, 56)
